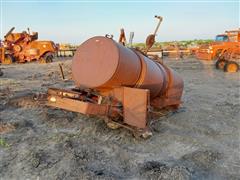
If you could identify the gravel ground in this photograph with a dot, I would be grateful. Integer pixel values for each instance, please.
(200, 141)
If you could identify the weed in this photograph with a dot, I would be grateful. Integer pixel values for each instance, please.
(3, 143)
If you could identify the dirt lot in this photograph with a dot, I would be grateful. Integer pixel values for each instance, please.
(200, 141)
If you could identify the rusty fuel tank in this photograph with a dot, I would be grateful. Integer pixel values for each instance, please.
(120, 84)
(102, 63)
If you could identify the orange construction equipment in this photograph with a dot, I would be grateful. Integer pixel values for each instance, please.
(24, 47)
(229, 60)
(119, 83)
(222, 43)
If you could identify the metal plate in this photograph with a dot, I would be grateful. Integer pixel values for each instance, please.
(135, 102)
(77, 106)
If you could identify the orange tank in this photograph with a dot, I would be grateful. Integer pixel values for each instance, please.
(120, 84)
(103, 64)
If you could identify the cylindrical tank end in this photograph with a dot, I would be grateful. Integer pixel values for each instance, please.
(172, 94)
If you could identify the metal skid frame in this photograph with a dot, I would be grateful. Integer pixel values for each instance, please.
(122, 107)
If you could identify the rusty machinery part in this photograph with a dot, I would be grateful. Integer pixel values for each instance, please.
(151, 38)
(9, 32)
(223, 54)
(8, 59)
(131, 39)
(122, 38)
(235, 53)
(173, 50)
(118, 83)
(17, 48)
(88, 102)
(150, 41)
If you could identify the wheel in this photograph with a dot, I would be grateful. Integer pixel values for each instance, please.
(8, 60)
(42, 60)
(47, 58)
(231, 66)
(220, 63)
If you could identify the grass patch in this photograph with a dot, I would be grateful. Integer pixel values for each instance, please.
(3, 143)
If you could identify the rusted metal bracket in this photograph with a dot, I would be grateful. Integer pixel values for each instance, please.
(122, 38)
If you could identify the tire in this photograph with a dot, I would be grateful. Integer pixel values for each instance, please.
(8, 59)
(220, 64)
(42, 60)
(47, 58)
(231, 67)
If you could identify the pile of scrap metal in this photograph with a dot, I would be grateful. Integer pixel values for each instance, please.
(121, 84)
(66, 50)
(193, 50)
(174, 50)
(24, 47)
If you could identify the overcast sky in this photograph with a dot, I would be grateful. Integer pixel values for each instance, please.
(75, 21)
